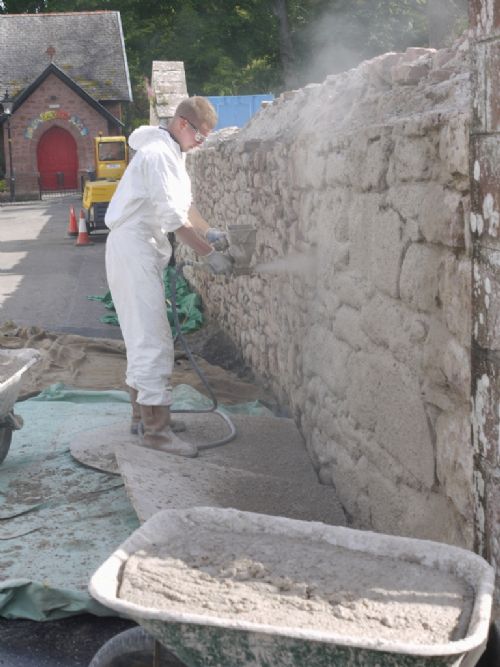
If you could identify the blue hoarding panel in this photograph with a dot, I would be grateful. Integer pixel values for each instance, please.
(236, 110)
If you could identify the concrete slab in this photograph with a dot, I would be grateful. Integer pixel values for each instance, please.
(155, 481)
(267, 445)
(265, 469)
(96, 448)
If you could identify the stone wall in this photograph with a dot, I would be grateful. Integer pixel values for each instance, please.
(484, 223)
(362, 184)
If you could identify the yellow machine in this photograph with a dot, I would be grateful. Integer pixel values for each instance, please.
(111, 159)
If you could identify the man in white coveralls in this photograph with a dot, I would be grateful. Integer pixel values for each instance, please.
(152, 199)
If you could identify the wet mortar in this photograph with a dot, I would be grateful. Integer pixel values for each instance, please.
(282, 582)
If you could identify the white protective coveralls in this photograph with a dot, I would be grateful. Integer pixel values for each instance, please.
(152, 199)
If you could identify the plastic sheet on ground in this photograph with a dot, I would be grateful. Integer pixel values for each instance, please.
(188, 304)
(187, 398)
(59, 520)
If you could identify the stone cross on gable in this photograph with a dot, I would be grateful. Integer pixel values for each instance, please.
(51, 52)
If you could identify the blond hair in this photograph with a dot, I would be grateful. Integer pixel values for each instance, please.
(197, 110)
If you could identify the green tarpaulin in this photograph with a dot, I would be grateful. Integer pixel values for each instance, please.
(188, 304)
(59, 520)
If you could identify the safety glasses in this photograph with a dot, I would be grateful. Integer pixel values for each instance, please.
(198, 136)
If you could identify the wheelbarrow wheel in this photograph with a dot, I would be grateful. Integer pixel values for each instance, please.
(5, 440)
(133, 648)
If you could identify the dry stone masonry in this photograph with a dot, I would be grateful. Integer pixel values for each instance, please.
(365, 175)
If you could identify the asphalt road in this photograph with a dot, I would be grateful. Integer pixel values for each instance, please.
(45, 281)
(45, 278)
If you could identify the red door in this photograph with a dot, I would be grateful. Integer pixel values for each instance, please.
(57, 160)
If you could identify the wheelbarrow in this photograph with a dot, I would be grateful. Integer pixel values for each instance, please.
(13, 365)
(195, 638)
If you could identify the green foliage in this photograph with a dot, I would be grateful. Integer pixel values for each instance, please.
(333, 36)
(3, 185)
(22, 6)
(188, 303)
(258, 76)
(217, 41)
(233, 48)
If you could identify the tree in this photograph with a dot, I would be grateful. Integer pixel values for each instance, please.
(253, 46)
(333, 35)
(22, 6)
(446, 19)
(287, 50)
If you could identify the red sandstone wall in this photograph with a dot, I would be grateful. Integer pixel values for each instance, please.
(53, 103)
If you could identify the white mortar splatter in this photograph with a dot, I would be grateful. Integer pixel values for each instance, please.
(479, 412)
(490, 213)
(477, 170)
(487, 13)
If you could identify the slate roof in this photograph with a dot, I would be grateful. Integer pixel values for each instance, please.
(87, 46)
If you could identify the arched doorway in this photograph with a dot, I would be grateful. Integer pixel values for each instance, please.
(57, 160)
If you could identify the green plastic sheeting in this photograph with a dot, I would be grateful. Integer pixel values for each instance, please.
(188, 303)
(59, 520)
(187, 398)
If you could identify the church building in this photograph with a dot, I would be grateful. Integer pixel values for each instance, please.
(63, 80)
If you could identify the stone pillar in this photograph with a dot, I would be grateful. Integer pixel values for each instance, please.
(168, 82)
(484, 16)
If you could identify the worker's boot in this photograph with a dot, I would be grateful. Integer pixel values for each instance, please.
(136, 412)
(156, 432)
(135, 423)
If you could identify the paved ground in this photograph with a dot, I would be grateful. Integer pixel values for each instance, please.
(44, 278)
(45, 281)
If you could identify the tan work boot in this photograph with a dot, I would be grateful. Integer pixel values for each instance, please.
(136, 412)
(176, 425)
(157, 434)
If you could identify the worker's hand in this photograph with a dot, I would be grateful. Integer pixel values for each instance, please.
(218, 262)
(217, 239)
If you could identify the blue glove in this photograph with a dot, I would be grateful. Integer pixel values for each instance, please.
(217, 239)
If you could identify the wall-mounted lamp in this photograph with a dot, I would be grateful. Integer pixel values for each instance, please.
(8, 106)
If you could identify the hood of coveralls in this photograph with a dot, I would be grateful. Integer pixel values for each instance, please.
(144, 135)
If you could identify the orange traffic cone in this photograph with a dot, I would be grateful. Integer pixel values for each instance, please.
(83, 235)
(72, 227)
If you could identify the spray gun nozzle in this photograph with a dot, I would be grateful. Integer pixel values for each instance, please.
(241, 248)
(242, 239)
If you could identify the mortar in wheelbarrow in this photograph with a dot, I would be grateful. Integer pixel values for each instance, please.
(224, 588)
(13, 365)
